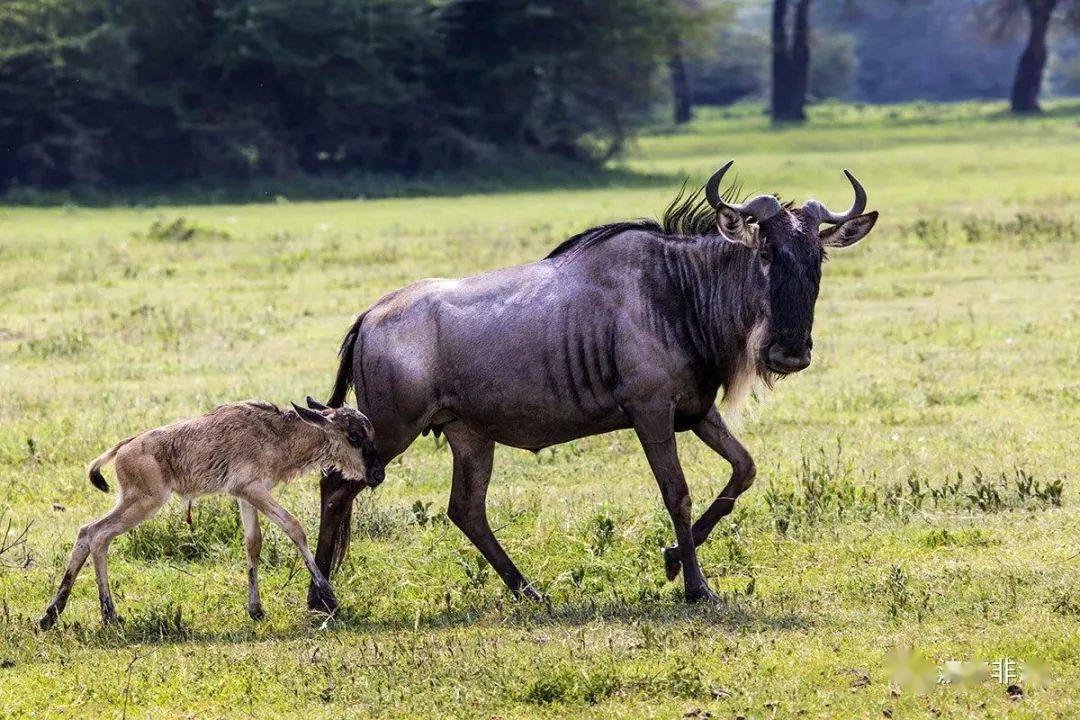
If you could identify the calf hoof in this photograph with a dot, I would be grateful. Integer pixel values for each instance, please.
(256, 612)
(701, 594)
(672, 563)
(108, 613)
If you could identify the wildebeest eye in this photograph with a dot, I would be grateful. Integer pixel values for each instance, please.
(766, 253)
(353, 439)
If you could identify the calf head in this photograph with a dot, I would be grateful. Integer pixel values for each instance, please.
(350, 439)
(790, 249)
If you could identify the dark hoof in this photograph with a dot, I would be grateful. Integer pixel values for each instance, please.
(48, 619)
(528, 592)
(256, 612)
(672, 563)
(323, 600)
(701, 594)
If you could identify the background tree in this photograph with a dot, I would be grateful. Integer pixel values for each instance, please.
(1040, 14)
(790, 61)
(682, 98)
(157, 92)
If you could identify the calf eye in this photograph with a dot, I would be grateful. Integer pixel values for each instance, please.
(766, 253)
(353, 439)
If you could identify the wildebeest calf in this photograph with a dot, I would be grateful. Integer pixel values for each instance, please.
(243, 449)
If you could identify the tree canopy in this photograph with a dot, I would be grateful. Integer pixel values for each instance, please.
(158, 91)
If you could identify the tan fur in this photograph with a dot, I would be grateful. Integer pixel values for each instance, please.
(747, 376)
(242, 449)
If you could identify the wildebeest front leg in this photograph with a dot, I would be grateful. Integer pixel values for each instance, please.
(260, 497)
(473, 457)
(714, 433)
(253, 548)
(664, 460)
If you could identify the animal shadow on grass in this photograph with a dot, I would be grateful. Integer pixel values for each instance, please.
(174, 624)
(732, 612)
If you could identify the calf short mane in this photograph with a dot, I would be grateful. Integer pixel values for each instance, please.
(688, 217)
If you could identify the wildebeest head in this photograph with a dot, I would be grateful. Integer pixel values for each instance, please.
(351, 440)
(790, 249)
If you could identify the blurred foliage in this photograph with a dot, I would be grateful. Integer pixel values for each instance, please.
(162, 91)
(833, 66)
(736, 67)
(1066, 75)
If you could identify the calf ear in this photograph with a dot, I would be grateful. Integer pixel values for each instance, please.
(733, 226)
(310, 416)
(850, 231)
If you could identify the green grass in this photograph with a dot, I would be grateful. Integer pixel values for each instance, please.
(905, 506)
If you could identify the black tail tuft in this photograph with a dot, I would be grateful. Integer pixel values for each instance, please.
(341, 539)
(98, 480)
(345, 364)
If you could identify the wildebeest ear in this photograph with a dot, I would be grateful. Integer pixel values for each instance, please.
(849, 232)
(315, 404)
(310, 416)
(734, 226)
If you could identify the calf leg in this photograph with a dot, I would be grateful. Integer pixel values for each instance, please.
(131, 511)
(79, 553)
(94, 537)
(714, 433)
(253, 547)
(258, 496)
(473, 457)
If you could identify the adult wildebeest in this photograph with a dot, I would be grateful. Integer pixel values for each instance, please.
(243, 449)
(629, 325)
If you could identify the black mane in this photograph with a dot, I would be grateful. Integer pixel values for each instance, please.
(688, 216)
(594, 236)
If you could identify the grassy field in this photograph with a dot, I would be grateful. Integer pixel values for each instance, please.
(917, 498)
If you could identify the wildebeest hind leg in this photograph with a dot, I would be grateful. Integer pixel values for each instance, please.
(473, 457)
(337, 495)
(336, 512)
(714, 433)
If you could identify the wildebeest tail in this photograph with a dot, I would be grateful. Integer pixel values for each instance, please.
(94, 471)
(345, 364)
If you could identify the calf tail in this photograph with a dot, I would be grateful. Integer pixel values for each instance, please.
(94, 471)
(345, 364)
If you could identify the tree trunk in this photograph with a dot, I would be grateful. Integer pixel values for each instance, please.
(800, 60)
(790, 65)
(680, 88)
(781, 65)
(1029, 71)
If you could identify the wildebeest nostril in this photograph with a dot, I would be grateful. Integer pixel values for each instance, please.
(783, 359)
(376, 474)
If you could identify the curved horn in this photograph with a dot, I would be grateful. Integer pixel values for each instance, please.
(824, 215)
(761, 208)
